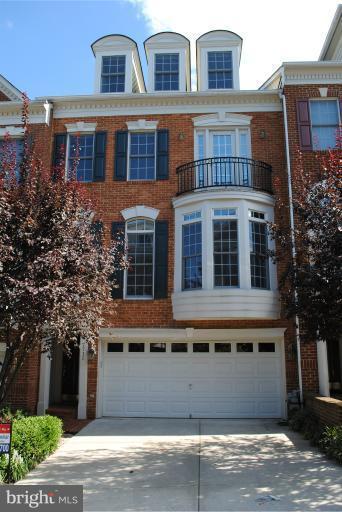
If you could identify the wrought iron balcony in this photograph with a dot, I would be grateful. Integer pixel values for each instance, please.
(225, 171)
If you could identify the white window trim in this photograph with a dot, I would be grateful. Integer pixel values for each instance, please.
(128, 69)
(12, 131)
(81, 127)
(182, 69)
(140, 297)
(129, 157)
(146, 212)
(142, 125)
(231, 47)
(207, 132)
(207, 208)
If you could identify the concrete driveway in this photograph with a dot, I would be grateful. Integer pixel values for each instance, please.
(176, 464)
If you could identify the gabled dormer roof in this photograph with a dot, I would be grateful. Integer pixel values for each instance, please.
(9, 90)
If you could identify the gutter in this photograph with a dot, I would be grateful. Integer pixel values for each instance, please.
(292, 225)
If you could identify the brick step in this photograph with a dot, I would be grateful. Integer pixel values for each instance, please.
(63, 411)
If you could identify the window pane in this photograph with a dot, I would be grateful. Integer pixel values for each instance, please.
(113, 73)
(223, 347)
(266, 347)
(179, 347)
(136, 347)
(81, 149)
(244, 347)
(324, 137)
(140, 256)
(225, 242)
(115, 347)
(157, 347)
(142, 156)
(200, 347)
(324, 112)
(192, 255)
(258, 255)
(220, 73)
(166, 76)
(13, 151)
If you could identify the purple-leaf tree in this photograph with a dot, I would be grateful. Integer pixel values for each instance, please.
(311, 286)
(55, 271)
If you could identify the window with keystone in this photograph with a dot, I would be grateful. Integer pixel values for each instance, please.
(325, 121)
(81, 157)
(142, 158)
(13, 149)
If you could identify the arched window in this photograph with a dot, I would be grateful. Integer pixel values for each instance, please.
(140, 245)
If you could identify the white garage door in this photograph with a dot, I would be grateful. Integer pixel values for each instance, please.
(192, 379)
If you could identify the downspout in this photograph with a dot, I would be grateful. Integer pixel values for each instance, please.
(292, 225)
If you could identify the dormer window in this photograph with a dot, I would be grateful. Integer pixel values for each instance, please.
(113, 73)
(166, 74)
(220, 70)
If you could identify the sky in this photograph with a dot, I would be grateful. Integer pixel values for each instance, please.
(45, 45)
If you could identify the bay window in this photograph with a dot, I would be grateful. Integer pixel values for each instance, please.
(192, 254)
(225, 251)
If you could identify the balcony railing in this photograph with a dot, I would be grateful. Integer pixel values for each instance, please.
(225, 171)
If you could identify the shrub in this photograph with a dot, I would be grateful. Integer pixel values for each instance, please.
(33, 439)
(331, 442)
(6, 414)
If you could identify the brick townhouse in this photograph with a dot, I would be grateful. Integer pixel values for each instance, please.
(191, 177)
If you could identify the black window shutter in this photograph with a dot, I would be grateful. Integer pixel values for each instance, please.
(97, 231)
(59, 148)
(162, 154)
(160, 259)
(120, 164)
(100, 156)
(118, 233)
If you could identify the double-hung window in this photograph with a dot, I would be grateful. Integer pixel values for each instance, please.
(113, 73)
(12, 150)
(142, 156)
(324, 123)
(259, 261)
(220, 70)
(140, 244)
(192, 252)
(166, 72)
(225, 247)
(81, 157)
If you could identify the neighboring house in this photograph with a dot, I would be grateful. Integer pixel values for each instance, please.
(191, 177)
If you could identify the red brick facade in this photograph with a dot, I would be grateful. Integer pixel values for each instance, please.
(111, 197)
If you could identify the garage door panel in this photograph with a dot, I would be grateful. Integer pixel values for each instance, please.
(204, 385)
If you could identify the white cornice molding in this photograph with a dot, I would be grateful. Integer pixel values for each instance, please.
(153, 103)
(222, 118)
(80, 127)
(12, 131)
(141, 124)
(140, 211)
(297, 73)
(11, 113)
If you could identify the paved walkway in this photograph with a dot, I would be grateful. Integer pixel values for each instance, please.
(191, 465)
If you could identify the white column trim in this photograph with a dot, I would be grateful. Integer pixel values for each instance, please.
(83, 381)
(44, 384)
(323, 371)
